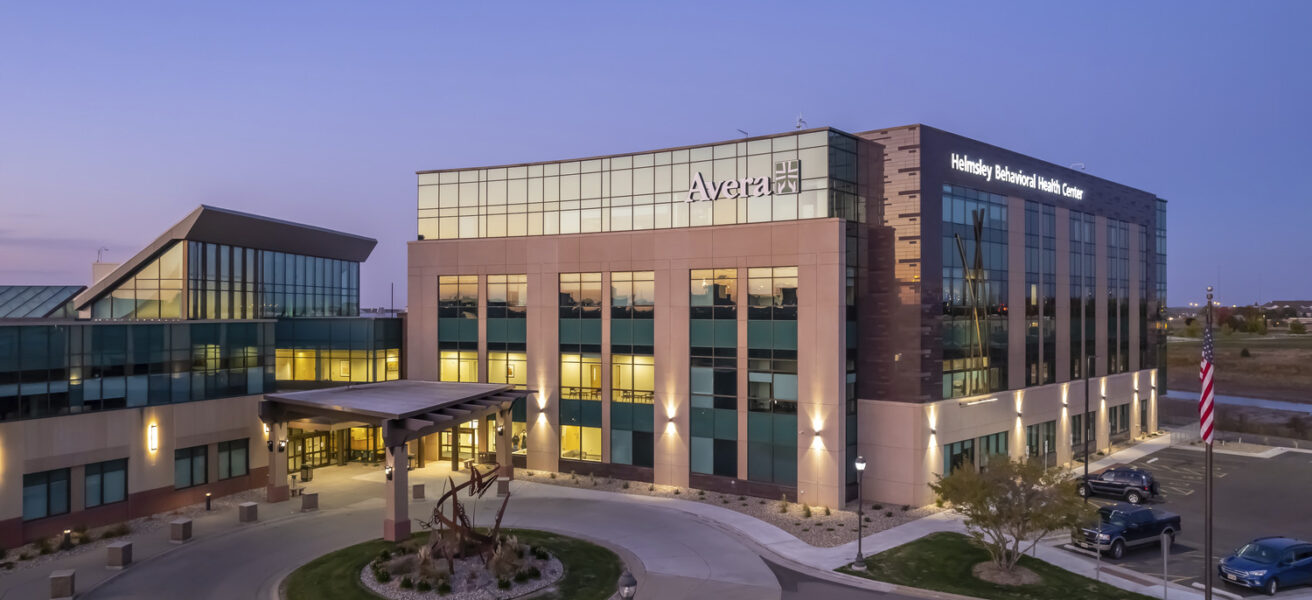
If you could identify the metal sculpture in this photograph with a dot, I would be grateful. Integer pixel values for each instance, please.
(454, 536)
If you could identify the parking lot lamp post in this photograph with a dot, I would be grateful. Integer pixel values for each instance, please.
(860, 464)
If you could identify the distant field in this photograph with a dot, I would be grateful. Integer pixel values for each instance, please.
(1279, 368)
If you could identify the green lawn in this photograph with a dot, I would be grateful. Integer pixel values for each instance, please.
(942, 561)
(590, 570)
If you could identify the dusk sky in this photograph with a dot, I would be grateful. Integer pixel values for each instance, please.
(117, 118)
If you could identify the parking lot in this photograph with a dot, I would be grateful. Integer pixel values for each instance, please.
(1253, 497)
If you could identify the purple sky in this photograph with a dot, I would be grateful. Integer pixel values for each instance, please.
(116, 119)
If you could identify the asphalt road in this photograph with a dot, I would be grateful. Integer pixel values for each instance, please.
(1253, 497)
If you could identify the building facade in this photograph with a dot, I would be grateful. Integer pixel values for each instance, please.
(139, 393)
(752, 315)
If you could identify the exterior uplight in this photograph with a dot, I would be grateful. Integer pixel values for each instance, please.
(152, 437)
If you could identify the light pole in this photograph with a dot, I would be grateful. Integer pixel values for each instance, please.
(860, 464)
(628, 585)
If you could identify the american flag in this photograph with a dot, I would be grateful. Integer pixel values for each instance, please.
(1205, 398)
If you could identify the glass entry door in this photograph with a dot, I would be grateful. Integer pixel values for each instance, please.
(468, 437)
(310, 449)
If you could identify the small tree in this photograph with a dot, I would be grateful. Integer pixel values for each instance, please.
(1297, 327)
(1012, 503)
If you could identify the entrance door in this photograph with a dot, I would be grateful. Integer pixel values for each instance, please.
(468, 437)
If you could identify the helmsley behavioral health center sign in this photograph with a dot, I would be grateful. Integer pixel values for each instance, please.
(990, 172)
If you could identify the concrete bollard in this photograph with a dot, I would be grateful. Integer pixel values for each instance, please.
(248, 512)
(61, 585)
(180, 530)
(309, 502)
(119, 555)
(418, 492)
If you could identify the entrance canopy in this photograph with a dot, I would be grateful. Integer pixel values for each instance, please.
(405, 409)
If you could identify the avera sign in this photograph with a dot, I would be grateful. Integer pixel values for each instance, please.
(787, 179)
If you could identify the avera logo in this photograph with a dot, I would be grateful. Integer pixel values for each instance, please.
(787, 176)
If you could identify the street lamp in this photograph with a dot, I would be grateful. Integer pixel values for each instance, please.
(860, 464)
(628, 584)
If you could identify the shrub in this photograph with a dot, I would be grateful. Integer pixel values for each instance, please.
(1244, 353)
(119, 530)
(444, 588)
(826, 511)
(384, 554)
(740, 498)
(877, 506)
(806, 511)
(625, 485)
(676, 491)
(382, 575)
(45, 546)
(406, 583)
(1297, 327)
(867, 519)
(521, 577)
(724, 500)
(534, 573)
(424, 586)
(540, 553)
(701, 492)
(553, 475)
(906, 507)
(80, 529)
(503, 584)
(24, 556)
(888, 513)
(651, 487)
(573, 476)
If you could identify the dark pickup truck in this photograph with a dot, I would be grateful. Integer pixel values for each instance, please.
(1123, 525)
(1130, 484)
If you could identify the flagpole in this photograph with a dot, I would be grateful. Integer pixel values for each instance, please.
(1208, 562)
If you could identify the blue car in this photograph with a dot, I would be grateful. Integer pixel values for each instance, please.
(1268, 564)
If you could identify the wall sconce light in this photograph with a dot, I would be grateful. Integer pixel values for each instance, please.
(933, 431)
(270, 445)
(501, 429)
(282, 445)
(152, 437)
(387, 471)
(1019, 414)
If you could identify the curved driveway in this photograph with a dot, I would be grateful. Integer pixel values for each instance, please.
(682, 557)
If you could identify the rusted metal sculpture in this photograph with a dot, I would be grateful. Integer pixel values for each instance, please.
(454, 536)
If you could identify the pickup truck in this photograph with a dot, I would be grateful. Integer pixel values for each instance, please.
(1132, 485)
(1123, 525)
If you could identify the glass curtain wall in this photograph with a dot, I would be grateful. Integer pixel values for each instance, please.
(974, 292)
(1040, 293)
(1118, 296)
(153, 292)
(342, 350)
(1041, 442)
(231, 282)
(51, 370)
(633, 370)
(772, 375)
(580, 366)
(507, 343)
(457, 328)
(1083, 284)
(1159, 306)
(713, 371)
(811, 175)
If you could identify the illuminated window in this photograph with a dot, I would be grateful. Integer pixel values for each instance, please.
(459, 365)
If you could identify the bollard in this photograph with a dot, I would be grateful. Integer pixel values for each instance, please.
(418, 491)
(208, 497)
(61, 585)
(180, 530)
(248, 512)
(119, 555)
(309, 501)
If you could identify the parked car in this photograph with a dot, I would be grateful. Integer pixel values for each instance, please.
(1268, 564)
(1132, 485)
(1121, 526)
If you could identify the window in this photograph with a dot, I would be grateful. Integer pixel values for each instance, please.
(958, 455)
(772, 375)
(458, 365)
(975, 301)
(713, 350)
(457, 327)
(233, 460)
(45, 494)
(991, 446)
(189, 467)
(106, 482)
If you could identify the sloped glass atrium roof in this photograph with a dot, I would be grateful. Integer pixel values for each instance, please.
(36, 301)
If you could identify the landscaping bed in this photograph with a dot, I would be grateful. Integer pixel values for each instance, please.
(816, 525)
(567, 568)
(946, 562)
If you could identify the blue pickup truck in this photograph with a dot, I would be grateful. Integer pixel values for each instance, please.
(1122, 525)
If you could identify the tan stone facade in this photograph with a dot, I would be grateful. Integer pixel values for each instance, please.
(74, 441)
